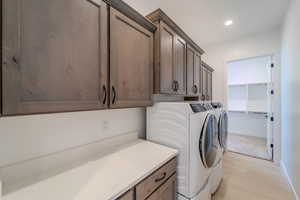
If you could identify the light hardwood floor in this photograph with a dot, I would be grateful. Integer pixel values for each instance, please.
(249, 145)
(247, 178)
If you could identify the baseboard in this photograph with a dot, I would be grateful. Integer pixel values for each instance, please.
(284, 170)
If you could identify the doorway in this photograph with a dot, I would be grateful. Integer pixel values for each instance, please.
(250, 113)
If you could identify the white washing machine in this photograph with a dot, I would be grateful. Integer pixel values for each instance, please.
(217, 170)
(192, 129)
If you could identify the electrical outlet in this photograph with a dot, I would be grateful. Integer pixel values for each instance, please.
(105, 125)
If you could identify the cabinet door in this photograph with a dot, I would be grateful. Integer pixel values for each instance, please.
(180, 66)
(201, 90)
(209, 86)
(197, 74)
(167, 191)
(55, 56)
(131, 62)
(167, 41)
(204, 84)
(193, 72)
(190, 71)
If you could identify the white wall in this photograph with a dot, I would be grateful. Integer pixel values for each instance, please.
(260, 44)
(218, 55)
(34, 147)
(291, 95)
(251, 124)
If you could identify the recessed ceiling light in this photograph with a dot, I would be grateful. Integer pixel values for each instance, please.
(228, 23)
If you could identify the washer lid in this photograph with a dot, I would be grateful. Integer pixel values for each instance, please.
(223, 129)
(208, 144)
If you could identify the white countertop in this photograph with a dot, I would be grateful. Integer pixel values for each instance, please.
(105, 179)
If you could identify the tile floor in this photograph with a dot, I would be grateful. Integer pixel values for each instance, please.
(247, 178)
(253, 146)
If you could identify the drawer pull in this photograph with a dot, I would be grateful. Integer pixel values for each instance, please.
(105, 94)
(161, 178)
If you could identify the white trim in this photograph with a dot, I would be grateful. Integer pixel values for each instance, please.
(276, 59)
(284, 170)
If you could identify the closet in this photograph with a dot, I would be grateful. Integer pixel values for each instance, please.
(250, 98)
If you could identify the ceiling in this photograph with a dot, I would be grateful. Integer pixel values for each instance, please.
(203, 20)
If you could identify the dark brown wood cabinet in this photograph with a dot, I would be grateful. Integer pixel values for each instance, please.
(174, 71)
(128, 196)
(166, 191)
(206, 72)
(160, 185)
(209, 85)
(194, 83)
(180, 65)
(131, 62)
(164, 69)
(170, 61)
(56, 56)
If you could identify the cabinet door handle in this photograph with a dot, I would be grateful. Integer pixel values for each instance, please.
(174, 86)
(105, 94)
(177, 86)
(15, 60)
(161, 178)
(202, 97)
(195, 89)
(114, 95)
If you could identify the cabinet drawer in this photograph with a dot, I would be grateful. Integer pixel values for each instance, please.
(167, 191)
(127, 196)
(150, 184)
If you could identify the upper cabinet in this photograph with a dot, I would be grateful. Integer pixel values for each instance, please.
(170, 61)
(194, 82)
(206, 73)
(171, 73)
(131, 62)
(56, 56)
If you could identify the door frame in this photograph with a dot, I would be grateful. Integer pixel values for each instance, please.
(276, 60)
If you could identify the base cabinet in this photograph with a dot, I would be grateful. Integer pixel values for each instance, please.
(160, 185)
(128, 196)
(167, 191)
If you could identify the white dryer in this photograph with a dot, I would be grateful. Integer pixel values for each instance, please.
(192, 129)
(217, 171)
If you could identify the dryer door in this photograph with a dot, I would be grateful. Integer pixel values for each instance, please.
(223, 130)
(208, 144)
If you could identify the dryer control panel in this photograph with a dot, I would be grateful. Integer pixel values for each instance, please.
(198, 108)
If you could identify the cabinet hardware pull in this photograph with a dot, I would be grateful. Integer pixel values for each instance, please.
(202, 97)
(15, 60)
(174, 86)
(114, 95)
(161, 178)
(105, 94)
(195, 89)
(177, 83)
